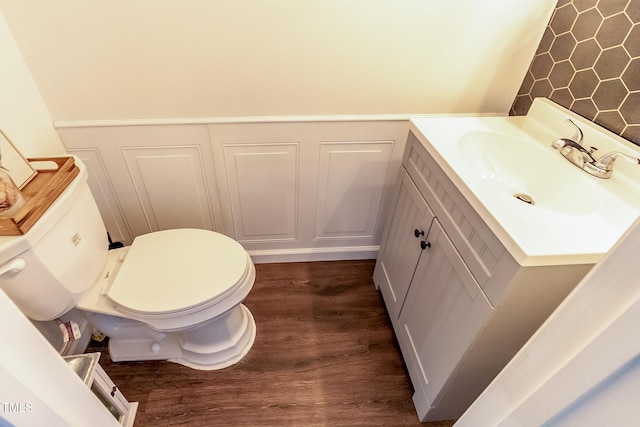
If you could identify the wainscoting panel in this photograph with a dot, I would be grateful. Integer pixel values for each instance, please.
(262, 182)
(170, 184)
(350, 183)
(162, 176)
(287, 188)
(104, 195)
(306, 191)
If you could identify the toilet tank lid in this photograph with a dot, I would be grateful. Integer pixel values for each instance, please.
(173, 270)
(12, 246)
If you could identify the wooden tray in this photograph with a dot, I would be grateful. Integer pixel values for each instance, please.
(40, 193)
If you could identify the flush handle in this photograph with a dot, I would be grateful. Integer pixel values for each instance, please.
(13, 266)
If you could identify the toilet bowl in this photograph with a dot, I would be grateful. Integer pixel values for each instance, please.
(172, 295)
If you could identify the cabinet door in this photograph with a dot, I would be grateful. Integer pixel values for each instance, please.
(444, 311)
(401, 248)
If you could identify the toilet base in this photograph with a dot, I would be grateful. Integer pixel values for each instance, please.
(208, 348)
(215, 344)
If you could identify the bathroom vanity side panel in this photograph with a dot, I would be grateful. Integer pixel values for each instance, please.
(532, 295)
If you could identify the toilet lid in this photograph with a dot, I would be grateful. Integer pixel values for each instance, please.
(174, 270)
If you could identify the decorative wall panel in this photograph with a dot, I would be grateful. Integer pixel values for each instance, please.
(263, 182)
(350, 182)
(104, 195)
(170, 184)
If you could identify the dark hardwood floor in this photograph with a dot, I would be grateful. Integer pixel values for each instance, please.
(324, 355)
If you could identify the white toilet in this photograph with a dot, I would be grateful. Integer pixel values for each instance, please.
(173, 294)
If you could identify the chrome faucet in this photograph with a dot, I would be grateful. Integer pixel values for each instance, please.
(573, 150)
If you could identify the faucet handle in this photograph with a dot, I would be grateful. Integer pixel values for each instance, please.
(606, 162)
(603, 167)
(559, 143)
(578, 135)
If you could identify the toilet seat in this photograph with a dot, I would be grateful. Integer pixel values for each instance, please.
(210, 334)
(176, 273)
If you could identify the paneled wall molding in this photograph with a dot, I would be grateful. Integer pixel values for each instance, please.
(351, 177)
(262, 184)
(158, 176)
(293, 190)
(105, 195)
(306, 190)
(171, 185)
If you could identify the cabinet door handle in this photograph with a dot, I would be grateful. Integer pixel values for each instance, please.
(418, 233)
(424, 245)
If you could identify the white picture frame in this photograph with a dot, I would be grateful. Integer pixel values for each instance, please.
(15, 163)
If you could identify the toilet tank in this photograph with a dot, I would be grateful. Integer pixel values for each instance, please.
(59, 258)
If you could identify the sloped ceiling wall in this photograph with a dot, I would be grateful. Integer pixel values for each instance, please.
(210, 58)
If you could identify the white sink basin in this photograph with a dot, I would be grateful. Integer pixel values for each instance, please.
(574, 217)
(519, 168)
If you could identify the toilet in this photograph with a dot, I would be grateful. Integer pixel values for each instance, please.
(172, 295)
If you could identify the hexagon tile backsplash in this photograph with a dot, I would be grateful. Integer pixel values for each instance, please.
(589, 61)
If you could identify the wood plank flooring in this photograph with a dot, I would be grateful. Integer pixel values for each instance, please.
(324, 355)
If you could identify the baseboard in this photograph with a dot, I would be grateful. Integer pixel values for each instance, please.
(313, 254)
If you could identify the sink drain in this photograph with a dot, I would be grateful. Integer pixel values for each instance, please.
(525, 198)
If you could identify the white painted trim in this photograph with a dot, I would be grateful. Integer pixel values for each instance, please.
(314, 254)
(228, 120)
(60, 124)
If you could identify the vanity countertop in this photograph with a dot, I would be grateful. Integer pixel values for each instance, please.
(576, 218)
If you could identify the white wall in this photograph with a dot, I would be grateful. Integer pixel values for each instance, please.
(24, 118)
(37, 387)
(215, 58)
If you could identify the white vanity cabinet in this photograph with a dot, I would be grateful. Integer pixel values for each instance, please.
(460, 305)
